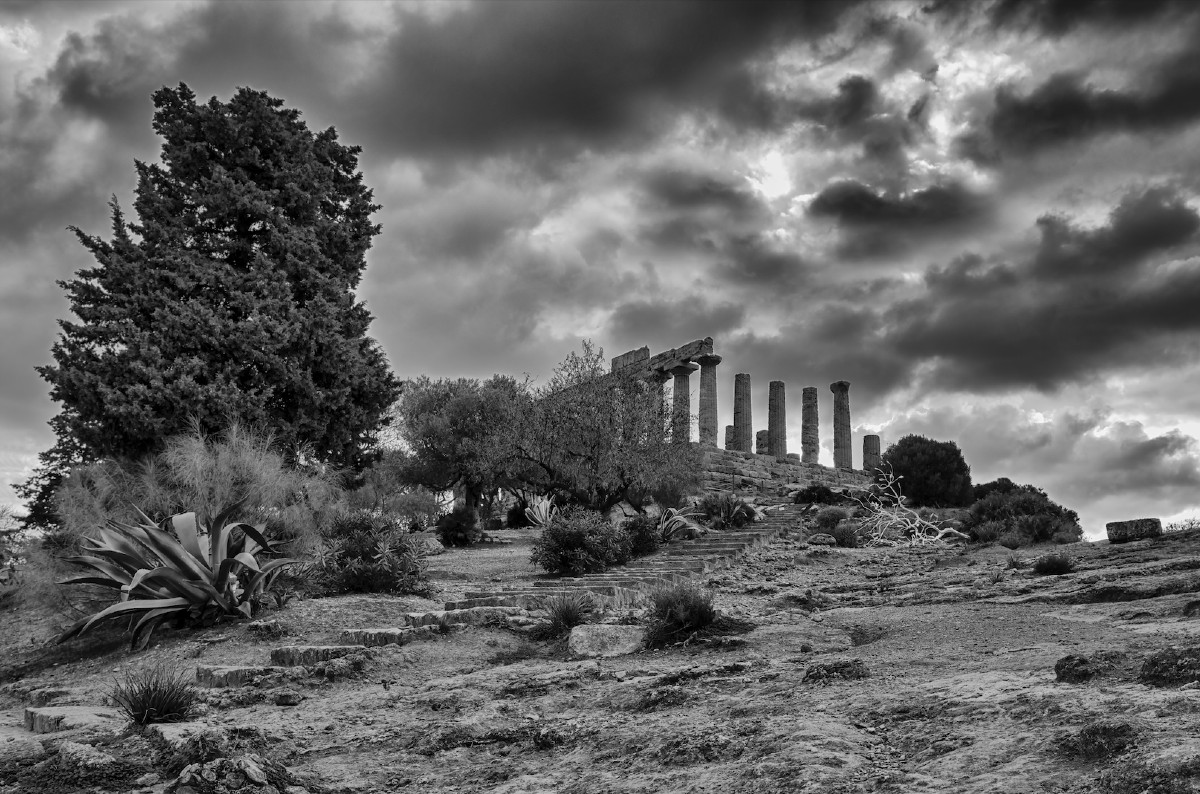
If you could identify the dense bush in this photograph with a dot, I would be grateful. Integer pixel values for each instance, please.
(934, 472)
(514, 517)
(459, 527)
(372, 553)
(156, 694)
(677, 610)
(828, 518)
(578, 541)
(1053, 565)
(820, 495)
(845, 533)
(674, 487)
(643, 534)
(726, 511)
(1021, 516)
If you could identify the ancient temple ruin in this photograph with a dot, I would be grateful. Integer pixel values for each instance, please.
(750, 461)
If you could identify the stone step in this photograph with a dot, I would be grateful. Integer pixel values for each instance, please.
(234, 676)
(471, 616)
(52, 719)
(374, 637)
(308, 655)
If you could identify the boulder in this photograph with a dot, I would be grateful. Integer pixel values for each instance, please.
(822, 539)
(1136, 529)
(83, 757)
(1073, 669)
(605, 640)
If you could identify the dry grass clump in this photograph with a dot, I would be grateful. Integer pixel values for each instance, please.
(565, 612)
(1054, 565)
(155, 694)
(675, 611)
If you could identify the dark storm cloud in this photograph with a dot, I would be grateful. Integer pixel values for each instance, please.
(499, 75)
(875, 224)
(1066, 108)
(756, 261)
(997, 326)
(673, 321)
(1057, 17)
(683, 191)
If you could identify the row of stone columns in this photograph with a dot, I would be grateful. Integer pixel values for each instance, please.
(772, 441)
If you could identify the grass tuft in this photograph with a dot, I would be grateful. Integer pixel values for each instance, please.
(155, 694)
(1054, 565)
(565, 612)
(676, 611)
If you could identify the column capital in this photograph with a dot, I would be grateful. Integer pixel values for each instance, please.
(678, 368)
(840, 386)
(707, 359)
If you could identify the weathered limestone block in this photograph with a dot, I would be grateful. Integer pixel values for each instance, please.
(49, 719)
(708, 398)
(730, 437)
(1136, 529)
(634, 359)
(308, 655)
(872, 460)
(810, 439)
(777, 419)
(605, 640)
(760, 442)
(843, 455)
(742, 428)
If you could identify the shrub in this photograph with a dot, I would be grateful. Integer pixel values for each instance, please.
(371, 553)
(565, 612)
(1186, 525)
(726, 511)
(828, 518)
(193, 573)
(515, 516)
(674, 524)
(819, 495)
(1027, 515)
(1015, 561)
(578, 541)
(845, 532)
(1098, 740)
(678, 609)
(156, 694)
(674, 487)
(987, 532)
(643, 535)
(1011, 540)
(1053, 564)
(459, 527)
(934, 472)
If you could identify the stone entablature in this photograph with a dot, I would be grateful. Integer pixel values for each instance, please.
(748, 474)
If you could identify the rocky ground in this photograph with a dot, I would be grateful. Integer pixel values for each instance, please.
(844, 670)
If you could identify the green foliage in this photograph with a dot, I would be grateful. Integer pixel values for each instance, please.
(1026, 516)
(232, 298)
(673, 488)
(677, 610)
(371, 553)
(201, 473)
(828, 518)
(845, 532)
(599, 438)
(643, 534)
(579, 541)
(540, 512)
(1053, 565)
(192, 573)
(155, 694)
(565, 612)
(934, 472)
(515, 518)
(817, 494)
(676, 524)
(459, 527)
(726, 511)
(987, 532)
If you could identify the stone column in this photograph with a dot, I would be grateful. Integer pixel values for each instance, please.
(742, 432)
(760, 442)
(810, 437)
(871, 457)
(843, 455)
(681, 396)
(708, 398)
(777, 420)
(730, 438)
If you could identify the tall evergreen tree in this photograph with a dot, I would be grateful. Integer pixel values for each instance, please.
(232, 298)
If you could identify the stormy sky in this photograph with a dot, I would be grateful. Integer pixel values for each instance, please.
(986, 217)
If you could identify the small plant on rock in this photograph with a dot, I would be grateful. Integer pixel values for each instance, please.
(565, 612)
(727, 511)
(675, 524)
(1054, 565)
(156, 694)
(676, 611)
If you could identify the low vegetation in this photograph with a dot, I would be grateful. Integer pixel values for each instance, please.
(371, 553)
(727, 511)
(565, 612)
(578, 541)
(676, 611)
(1053, 565)
(155, 694)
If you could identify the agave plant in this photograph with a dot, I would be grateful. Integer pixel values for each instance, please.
(189, 573)
(674, 523)
(541, 512)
